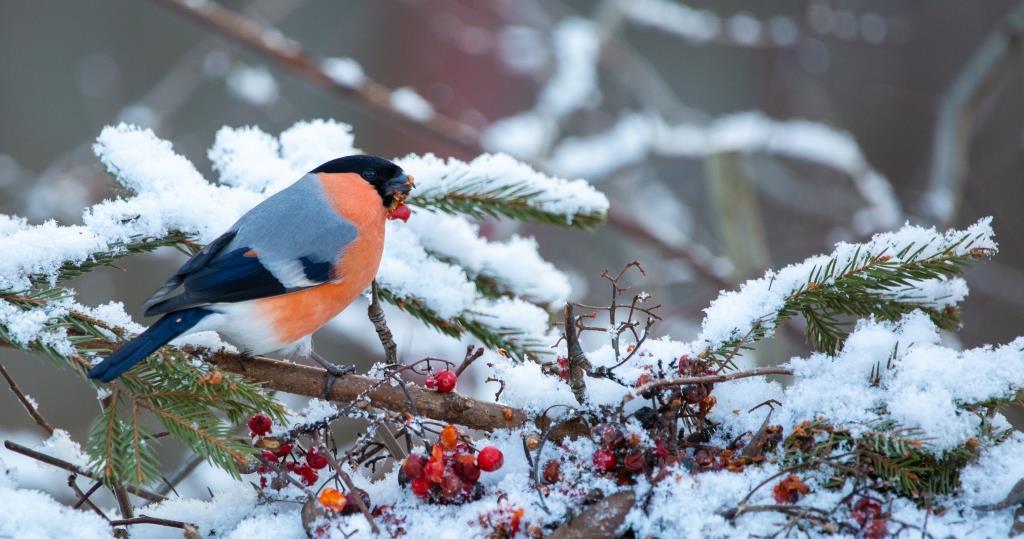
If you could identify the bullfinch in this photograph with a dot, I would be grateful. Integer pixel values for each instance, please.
(283, 270)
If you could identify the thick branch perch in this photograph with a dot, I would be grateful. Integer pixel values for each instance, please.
(309, 381)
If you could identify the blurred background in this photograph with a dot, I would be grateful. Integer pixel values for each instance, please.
(912, 103)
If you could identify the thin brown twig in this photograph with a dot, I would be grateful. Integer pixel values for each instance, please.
(143, 519)
(65, 465)
(83, 497)
(25, 403)
(711, 379)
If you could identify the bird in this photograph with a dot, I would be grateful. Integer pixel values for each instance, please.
(283, 270)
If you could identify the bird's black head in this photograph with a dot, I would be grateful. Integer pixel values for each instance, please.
(390, 181)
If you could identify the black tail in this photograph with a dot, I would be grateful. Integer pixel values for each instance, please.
(134, 351)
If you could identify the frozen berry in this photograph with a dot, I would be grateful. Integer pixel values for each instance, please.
(434, 468)
(490, 459)
(685, 362)
(351, 507)
(552, 471)
(308, 475)
(604, 460)
(414, 466)
(421, 487)
(609, 435)
(634, 462)
(451, 485)
(259, 424)
(332, 499)
(449, 437)
(445, 381)
(284, 450)
(316, 460)
(466, 469)
(269, 455)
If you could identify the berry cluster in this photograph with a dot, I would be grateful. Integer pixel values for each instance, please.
(442, 382)
(283, 454)
(620, 456)
(452, 472)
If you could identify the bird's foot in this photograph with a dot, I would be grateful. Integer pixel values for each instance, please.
(334, 371)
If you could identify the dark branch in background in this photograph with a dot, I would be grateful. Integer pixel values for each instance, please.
(291, 55)
(981, 78)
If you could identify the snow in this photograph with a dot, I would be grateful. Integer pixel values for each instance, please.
(734, 313)
(315, 411)
(31, 514)
(694, 25)
(253, 84)
(411, 104)
(571, 87)
(344, 71)
(436, 177)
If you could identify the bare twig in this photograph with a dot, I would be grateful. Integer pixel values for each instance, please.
(376, 314)
(711, 379)
(83, 497)
(25, 403)
(979, 80)
(65, 465)
(143, 519)
(473, 353)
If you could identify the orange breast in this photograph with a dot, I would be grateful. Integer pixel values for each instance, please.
(298, 314)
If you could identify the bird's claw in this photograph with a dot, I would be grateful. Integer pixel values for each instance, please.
(333, 372)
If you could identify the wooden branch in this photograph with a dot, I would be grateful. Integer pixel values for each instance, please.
(25, 403)
(299, 379)
(65, 465)
(711, 379)
(290, 55)
(979, 79)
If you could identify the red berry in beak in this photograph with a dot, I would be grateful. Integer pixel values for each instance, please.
(402, 212)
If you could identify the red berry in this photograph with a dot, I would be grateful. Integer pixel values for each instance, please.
(414, 466)
(316, 460)
(451, 485)
(421, 487)
(402, 212)
(445, 381)
(467, 470)
(259, 424)
(434, 468)
(490, 459)
(634, 462)
(604, 460)
(308, 475)
(284, 450)
(430, 382)
(552, 471)
(263, 481)
(685, 362)
(269, 455)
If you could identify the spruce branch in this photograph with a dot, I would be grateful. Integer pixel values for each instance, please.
(479, 197)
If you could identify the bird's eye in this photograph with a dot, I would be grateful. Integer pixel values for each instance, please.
(369, 174)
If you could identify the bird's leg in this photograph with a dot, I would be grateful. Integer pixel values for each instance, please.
(242, 357)
(333, 372)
